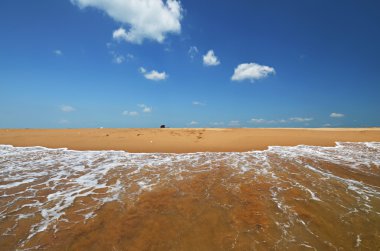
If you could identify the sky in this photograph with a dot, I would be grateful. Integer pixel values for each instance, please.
(193, 63)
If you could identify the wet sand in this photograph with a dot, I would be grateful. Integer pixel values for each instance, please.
(183, 140)
(285, 198)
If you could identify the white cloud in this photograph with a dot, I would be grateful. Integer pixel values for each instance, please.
(217, 123)
(145, 108)
(234, 123)
(120, 33)
(146, 19)
(193, 51)
(193, 123)
(128, 113)
(258, 121)
(300, 120)
(153, 75)
(336, 115)
(198, 103)
(251, 71)
(67, 108)
(210, 59)
(118, 59)
(58, 52)
(280, 121)
(264, 121)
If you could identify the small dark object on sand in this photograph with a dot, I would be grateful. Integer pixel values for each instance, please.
(162, 126)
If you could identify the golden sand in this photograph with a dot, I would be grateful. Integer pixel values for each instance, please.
(183, 140)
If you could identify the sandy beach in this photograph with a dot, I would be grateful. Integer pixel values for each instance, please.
(183, 140)
(285, 198)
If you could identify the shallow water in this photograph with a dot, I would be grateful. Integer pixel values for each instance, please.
(284, 198)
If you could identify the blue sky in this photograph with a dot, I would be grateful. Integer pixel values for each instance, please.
(246, 63)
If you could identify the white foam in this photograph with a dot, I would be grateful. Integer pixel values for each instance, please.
(358, 241)
(16, 184)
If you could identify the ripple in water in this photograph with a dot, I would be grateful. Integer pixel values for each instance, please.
(284, 198)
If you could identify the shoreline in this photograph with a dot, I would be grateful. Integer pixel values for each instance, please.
(189, 140)
(336, 144)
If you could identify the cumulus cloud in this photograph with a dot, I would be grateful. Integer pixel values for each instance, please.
(193, 123)
(252, 72)
(156, 76)
(58, 52)
(193, 51)
(210, 59)
(146, 19)
(119, 34)
(67, 108)
(128, 113)
(153, 75)
(336, 115)
(145, 108)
